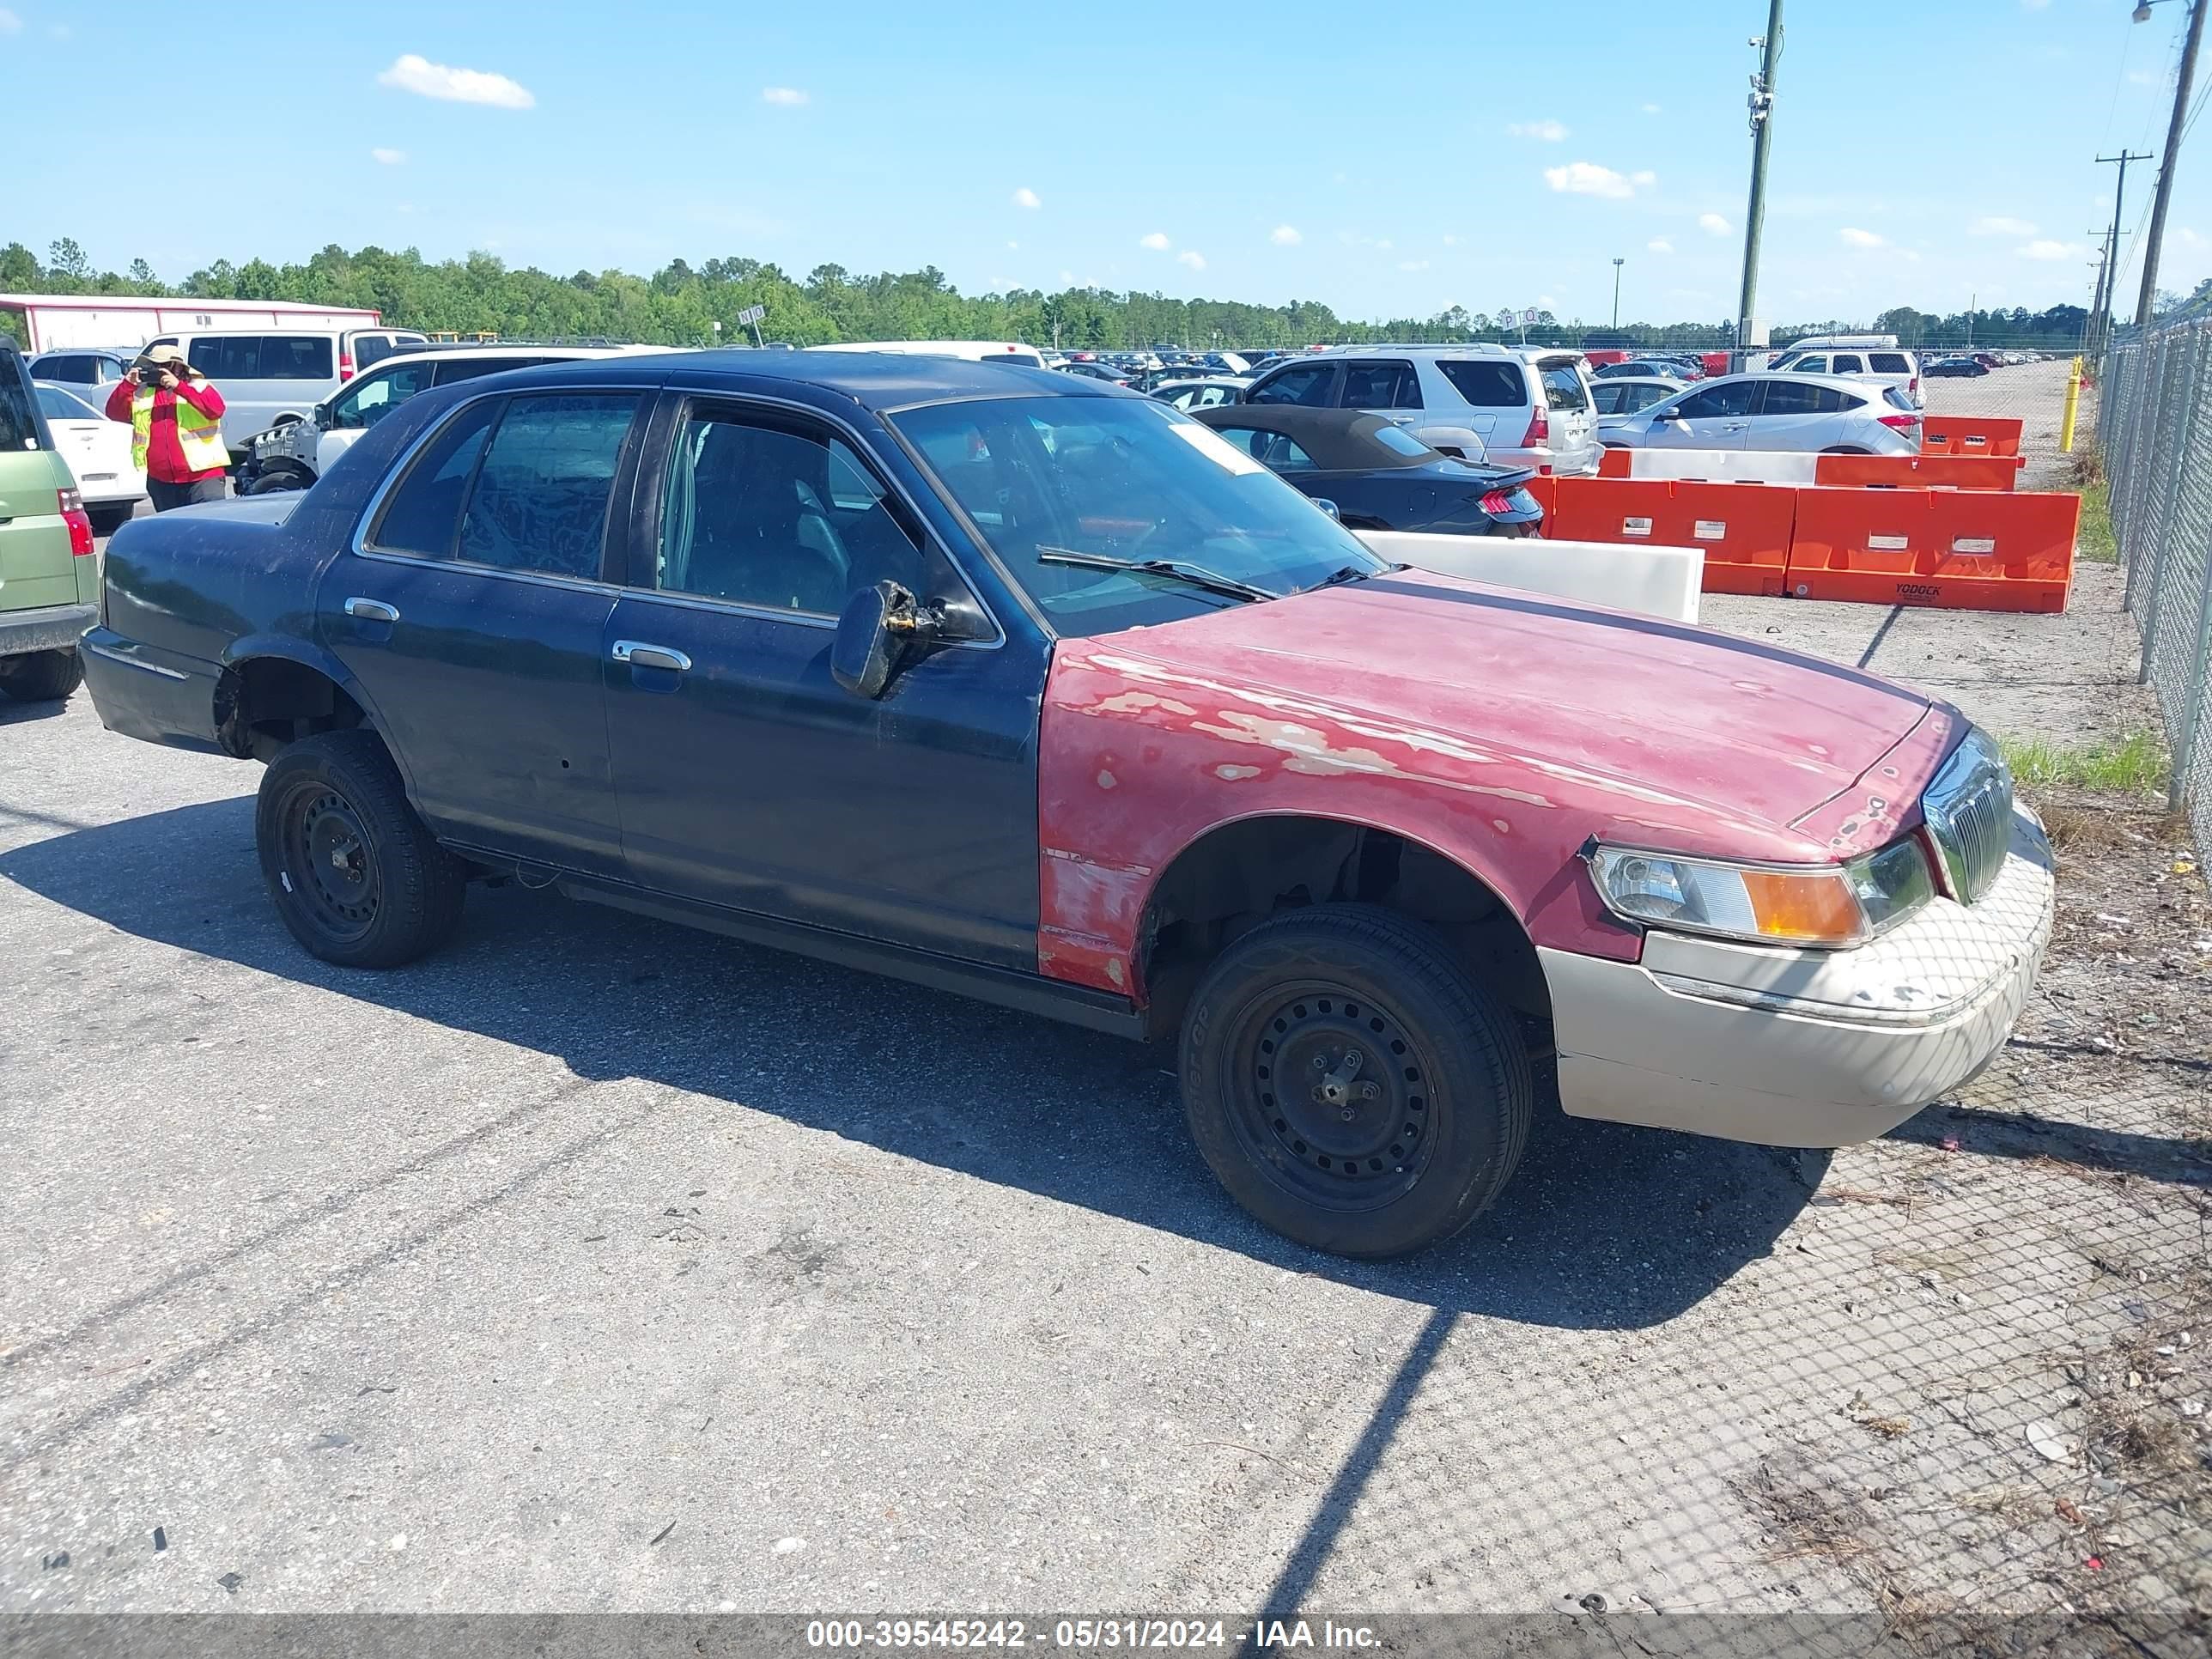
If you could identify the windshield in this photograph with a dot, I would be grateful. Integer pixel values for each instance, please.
(1129, 479)
(60, 405)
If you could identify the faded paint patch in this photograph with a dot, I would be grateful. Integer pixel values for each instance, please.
(1115, 971)
(1236, 774)
(1106, 779)
(1136, 702)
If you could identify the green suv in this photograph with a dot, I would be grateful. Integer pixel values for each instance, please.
(49, 579)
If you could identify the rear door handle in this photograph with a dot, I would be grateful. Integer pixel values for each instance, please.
(372, 611)
(638, 654)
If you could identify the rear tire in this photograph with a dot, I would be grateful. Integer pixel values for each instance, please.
(1349, 1083)
(42, 676)
(355, 873)
(274, 483)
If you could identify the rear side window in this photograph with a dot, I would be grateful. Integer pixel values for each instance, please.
(1308, 384)
(1730, 397)
(539, 501)
(19, 419)
(1849, 364)
(1806, 365)
(1563, 390)
(1890, 362)
(1270, 449)
(1801, 398)
(76, 368)
(1486, 385)
(296, 357)
(1896, 399)
(424, 510)
(1381, 386)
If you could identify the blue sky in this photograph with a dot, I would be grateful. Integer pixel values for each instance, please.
(1385, 160)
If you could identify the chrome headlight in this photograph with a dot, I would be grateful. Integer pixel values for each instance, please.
(1819, 905)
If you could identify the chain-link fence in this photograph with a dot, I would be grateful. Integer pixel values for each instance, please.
(2154, 430)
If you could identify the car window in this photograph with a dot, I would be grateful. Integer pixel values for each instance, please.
(1642, 396)
(296, 357)
(1800, 398)
(226, 357)
(1805, 365)
(78, 368)
(539, 501)
(60, 405)
(1895, 398)
(1850, 363)
(782, 518)
(371, 397)
(1379, 386)
(1404, 442)
(1730, 397)
(1607, 398)
(1562, 391)
(1889, 362)
(1308, 384)
(1486, 384)
(422, 514)
(19, 420)
(370, 349)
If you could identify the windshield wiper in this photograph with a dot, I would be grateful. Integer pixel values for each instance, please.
(1351, 572)
(1196, 574)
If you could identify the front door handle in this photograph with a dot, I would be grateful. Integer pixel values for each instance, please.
(638, 654)
(372, 611)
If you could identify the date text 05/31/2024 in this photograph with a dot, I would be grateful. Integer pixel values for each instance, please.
(1275, 1635)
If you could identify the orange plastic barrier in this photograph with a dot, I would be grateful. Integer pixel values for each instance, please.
(1923, 472)
(1973, 550)
(1612, 464)
(1744, 529)
(1970, 435)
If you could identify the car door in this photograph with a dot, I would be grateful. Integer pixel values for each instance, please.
(1794, 415)
(1716, 417)
(748, 777)
(470, 606)
(1310, 384)
(1385, 386)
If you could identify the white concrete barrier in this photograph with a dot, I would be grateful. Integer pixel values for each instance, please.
(1658, 581)
(1787, 466)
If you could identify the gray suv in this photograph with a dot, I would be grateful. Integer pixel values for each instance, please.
(1514, 408)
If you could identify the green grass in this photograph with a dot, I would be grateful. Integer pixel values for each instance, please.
(2135, 765)
(2095, 544)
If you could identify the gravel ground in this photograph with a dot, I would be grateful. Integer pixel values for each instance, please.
(598, 1265)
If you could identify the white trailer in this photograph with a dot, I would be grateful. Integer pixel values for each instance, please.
(53, 321)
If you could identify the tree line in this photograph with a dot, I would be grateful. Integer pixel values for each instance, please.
(684, 304)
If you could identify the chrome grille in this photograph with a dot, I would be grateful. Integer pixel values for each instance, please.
(1968, 807)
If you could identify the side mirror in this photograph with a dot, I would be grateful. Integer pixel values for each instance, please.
(878, 627)
(1328, 507)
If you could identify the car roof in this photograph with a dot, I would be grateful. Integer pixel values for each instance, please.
(438, 354)
(1339, 440)
(1475, 348)
(876, 380)
(1657, 379)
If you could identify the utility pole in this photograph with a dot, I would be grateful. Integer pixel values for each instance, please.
(2100, 320)
(1617, 264)
(2165, 164)
(1972, 302)
(1754, 218)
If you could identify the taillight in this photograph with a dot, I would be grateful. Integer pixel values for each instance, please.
(79, 526)
(1900, 421)
(345, 365)
(1539, 429)
(1497, 502)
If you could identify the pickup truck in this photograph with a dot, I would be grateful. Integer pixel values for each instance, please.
(1018, 684)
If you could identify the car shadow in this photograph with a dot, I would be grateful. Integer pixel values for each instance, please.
(1603, 1227)
(13, 713)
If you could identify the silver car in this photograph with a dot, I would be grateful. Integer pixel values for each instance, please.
(1809, 412)
(1511, 408)
(1623, 394)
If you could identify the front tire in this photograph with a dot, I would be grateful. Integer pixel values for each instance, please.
(1350, 1084)
(355, 875)
(42, 676)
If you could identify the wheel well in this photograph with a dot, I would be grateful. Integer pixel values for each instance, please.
(264, 703)
(1235, 876)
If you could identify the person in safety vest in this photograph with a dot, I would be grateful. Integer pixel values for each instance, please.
(176, 433)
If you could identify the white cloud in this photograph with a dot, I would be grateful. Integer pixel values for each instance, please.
(1854, 237)
(390, 158)
(2001, 224)
(1013, 245)
(411, 73)
(1589, 179)
(2043, 248)
(1026, 197)
(9, 23)
(1545, 302)
(1644, 179)
(1549, 131)
(1451, 241)
(1192, 258)
(1660, 245)
(1413, 265)
(790, 97)
(1157, 241)
(1712, 224)
(1285, 236)
(1386, 245)
(1651, 109)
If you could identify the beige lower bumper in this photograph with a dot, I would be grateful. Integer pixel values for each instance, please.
(1802, 1048)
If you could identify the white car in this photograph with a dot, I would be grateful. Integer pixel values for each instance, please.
(1805, 412)
(98, 451)
(1209, 393)
(293, 455)
(1873, 364)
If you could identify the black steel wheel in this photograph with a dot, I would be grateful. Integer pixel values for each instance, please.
(356, 875)
(1350, 1084)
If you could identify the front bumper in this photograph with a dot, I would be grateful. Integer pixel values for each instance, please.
(47, 628)
(1793, 1047)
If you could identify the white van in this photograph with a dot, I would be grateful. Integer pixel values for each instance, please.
(268, 373)
(977, 352)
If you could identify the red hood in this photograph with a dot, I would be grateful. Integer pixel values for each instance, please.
(1676, 724)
